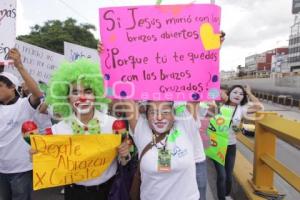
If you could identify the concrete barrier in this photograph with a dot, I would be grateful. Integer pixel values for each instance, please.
(276, 86)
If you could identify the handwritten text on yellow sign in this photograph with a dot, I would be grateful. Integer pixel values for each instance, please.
(64, 160)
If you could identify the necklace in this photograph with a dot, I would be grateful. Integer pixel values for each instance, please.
(93, 127)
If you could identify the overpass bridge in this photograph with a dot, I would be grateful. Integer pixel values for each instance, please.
(282, 84)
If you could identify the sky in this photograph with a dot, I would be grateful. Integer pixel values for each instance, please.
(251, 26)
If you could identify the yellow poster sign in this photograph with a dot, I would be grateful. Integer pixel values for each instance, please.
(63, 160)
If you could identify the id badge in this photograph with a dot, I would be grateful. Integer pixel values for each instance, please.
(164, 160)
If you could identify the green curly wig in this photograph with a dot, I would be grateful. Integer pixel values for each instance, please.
(81, 71)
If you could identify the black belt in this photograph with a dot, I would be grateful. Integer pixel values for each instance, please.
(103, 186)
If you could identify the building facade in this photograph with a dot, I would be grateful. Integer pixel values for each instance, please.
(280, 63)
(294, 45)
(263, 62)
(227, 75)
(251, 63)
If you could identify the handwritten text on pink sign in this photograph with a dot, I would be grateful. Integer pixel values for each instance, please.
(161, 52)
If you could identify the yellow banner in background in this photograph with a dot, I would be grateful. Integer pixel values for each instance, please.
(63, 160)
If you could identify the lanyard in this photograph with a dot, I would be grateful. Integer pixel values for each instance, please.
(232, 115)
(154, 139)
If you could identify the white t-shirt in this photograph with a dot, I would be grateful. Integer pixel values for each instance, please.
(106, 122)
(14, 151)
(190, 123)
(180, 182)
(236, 121)
(43, 121)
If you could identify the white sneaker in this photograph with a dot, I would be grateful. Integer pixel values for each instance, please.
(228, 198)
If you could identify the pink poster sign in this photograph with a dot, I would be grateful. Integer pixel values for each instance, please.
(168, 52)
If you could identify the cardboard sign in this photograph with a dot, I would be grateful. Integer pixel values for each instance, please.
(63, 160)
(39, 62)
(8, 16)
(218, 131)
(73, 52)
(168, 52)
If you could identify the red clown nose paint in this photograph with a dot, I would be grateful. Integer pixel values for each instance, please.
(82, 99)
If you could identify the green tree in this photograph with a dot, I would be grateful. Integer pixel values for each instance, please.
(54, 32)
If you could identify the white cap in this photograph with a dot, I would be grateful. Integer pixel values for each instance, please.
(12, 78)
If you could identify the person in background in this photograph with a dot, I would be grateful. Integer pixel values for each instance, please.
(236, 98)
(202, 122)
(15, 165)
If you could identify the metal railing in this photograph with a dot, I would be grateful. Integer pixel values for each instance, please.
(270, 127)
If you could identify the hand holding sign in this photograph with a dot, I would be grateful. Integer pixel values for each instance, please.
(15, 55)
(100, 47)
(123, 149)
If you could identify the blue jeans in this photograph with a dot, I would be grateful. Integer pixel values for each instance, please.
(201, 175)
(224, 173)
(17, 186)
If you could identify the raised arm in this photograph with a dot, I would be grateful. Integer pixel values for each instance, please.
(100, 47)
(192, 107)
(254, 105)
(224, 96)
(15, 55)
(132, 113)
(43, 108)
(250, 95)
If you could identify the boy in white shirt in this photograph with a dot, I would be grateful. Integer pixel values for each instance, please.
(15, 165)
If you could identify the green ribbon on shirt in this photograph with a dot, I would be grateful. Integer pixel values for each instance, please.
(93, 127)
(174, 135)
(180, 109)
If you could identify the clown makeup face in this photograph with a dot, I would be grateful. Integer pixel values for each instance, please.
(236, 96)
(160, 117)
(82, 99)
(160, 126)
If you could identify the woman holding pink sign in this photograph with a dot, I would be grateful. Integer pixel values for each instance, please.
(168, 146)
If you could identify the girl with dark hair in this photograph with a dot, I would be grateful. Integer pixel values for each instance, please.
(237, 97)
